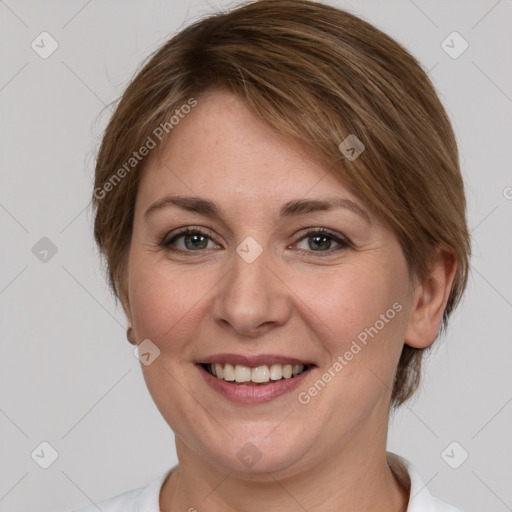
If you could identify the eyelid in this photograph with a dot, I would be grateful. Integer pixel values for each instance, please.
(340, 239)
(166, 239)
(324, 231)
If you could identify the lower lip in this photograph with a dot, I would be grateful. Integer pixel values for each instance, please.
(248, 394)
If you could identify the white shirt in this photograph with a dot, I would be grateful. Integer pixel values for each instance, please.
(146, 499)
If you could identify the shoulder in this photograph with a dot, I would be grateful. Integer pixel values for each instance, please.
(420, 499)
(143, 499)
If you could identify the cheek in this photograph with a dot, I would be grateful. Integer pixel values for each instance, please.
(166, 301)
(355, 300)
(363, 311)
(166, 304)
(363, 318)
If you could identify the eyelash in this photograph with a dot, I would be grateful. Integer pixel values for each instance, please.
(342, 242)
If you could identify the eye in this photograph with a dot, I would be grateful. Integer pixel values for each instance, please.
(188, 240)
(193, 239)
(322, 241)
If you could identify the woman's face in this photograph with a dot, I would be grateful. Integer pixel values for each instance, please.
(267, 278)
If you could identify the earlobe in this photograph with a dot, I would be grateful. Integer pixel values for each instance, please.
(130, 336)
(430, 299)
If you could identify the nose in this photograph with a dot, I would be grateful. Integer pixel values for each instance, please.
(252, 298)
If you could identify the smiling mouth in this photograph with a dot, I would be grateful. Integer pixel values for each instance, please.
(255, 376)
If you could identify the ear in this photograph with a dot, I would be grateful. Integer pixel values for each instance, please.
(125, 302)
(130, 336)
(430, 298)
(122, 286)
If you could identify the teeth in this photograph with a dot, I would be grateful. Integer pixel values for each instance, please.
(219, 371)
(276, 372)
(297, 368)
(242, 373)
(258, 375)
(229, 372)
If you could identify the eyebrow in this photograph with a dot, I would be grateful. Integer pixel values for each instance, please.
(291, 208)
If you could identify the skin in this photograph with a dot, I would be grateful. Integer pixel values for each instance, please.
(329, 454)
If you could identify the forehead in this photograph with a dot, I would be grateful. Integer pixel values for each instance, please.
(222, 150)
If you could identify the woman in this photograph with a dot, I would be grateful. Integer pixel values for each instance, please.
(279, 202)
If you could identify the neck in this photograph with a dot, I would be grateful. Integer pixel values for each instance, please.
(355, 477)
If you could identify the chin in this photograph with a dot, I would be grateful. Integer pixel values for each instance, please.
(253, 457)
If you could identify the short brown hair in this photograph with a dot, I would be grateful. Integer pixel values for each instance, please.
(314, 74)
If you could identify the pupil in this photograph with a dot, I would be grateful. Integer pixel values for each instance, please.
(324, 242)
(194, 245)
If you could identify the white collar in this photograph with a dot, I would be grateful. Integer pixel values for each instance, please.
(420, 499)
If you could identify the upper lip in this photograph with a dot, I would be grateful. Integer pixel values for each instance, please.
(252, 361)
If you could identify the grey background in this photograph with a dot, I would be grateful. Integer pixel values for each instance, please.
(68, 376)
